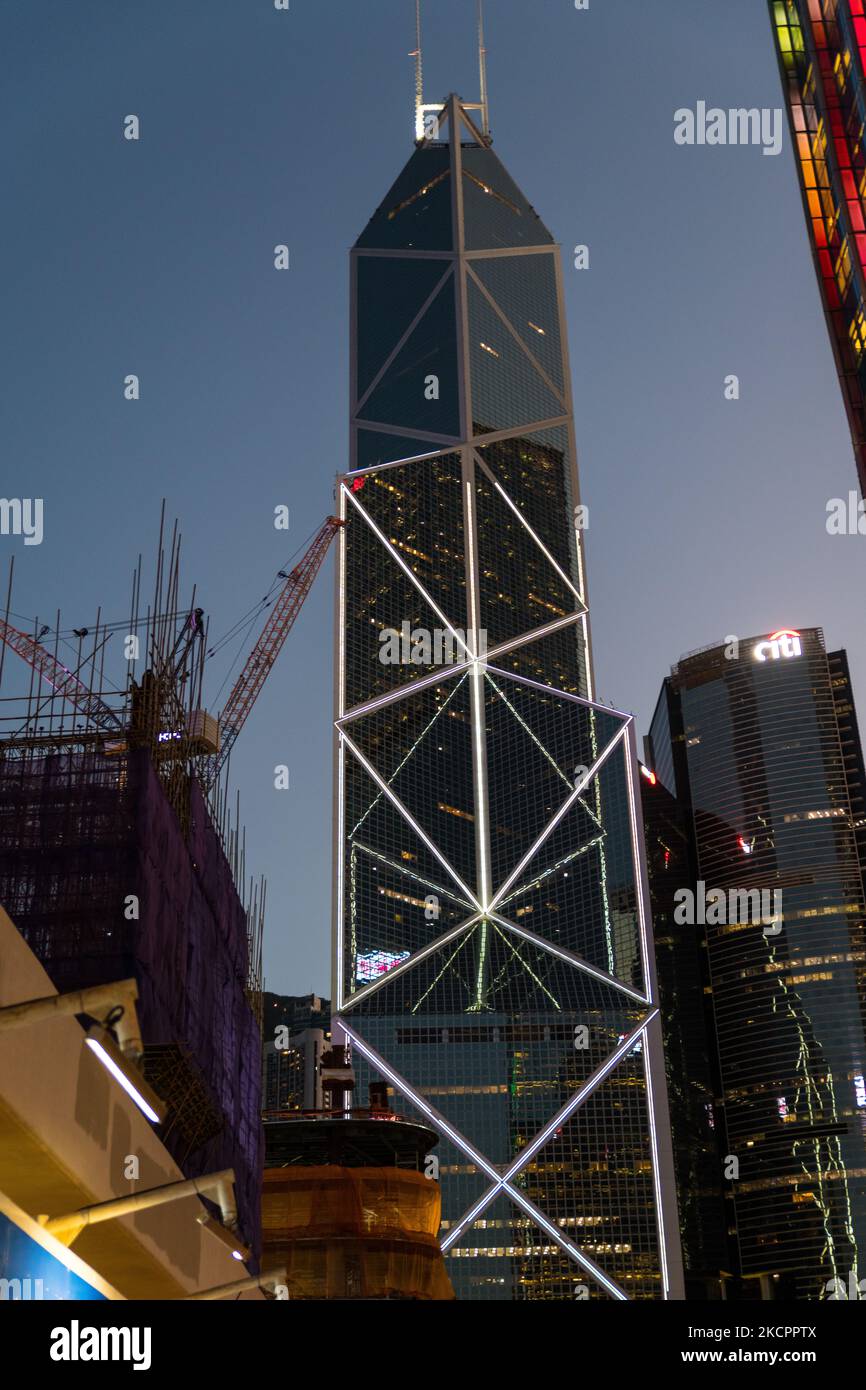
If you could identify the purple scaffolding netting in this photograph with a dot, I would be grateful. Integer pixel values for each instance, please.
(81, 833)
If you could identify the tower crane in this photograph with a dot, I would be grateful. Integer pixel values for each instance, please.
(212, 743)
(63, 681)
(258, 665)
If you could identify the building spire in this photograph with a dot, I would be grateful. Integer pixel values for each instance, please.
(482, 69)
(419, 75)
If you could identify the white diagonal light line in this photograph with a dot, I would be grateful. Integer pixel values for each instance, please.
(537, 539)
(538, 878)
(572, 1250)
(534, 737)
(402, 1085)
(403, 872)
(415, 959)
(457, 1139)
(410, 819)
(401, 691)
(563, 811)
(397, 463)
(359, 409)
(551, 689)
(562, 953)
(589, 1086)
(518, 340)
(411, 753)
(410, 574)
(535, 635)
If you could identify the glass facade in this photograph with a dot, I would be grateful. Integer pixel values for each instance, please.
(821, 45)
(493, 955)
(762, 740)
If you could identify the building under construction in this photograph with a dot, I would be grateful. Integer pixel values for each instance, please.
(115, 862)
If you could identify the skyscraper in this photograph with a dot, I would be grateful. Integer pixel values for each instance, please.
(493, 954)
(760, 744)
(821, 46)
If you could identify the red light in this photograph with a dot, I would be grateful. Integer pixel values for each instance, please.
(357, 484)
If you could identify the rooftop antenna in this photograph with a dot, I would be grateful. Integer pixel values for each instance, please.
(419, 76)
(482, 68)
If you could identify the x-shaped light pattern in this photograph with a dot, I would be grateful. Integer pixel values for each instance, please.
(502, 1182)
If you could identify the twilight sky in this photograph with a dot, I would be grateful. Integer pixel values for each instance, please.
(707, 516)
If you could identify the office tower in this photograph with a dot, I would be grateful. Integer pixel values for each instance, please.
(821, 45)
(759, 740)
(689, 1043)
(290, 1071)
(493, 954)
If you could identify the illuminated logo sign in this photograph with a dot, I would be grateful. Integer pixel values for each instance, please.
(372, 964)
(784, 643)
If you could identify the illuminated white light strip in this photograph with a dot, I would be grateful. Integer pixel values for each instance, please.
(535, 635)
(478, 723)
(542, 547)
(404, 872)
(660, 1224)
(625, 1047)
(440, 1123)
(415, 959)
(636, 855)
(586, 663)
(122, 1080)
(570, 958)
(341, 838)
(560, 694)
(399, 768)
(410, 688)
(410, 574)
(570, 1249)
(545, 1134)
(563, 811)
(537, 879)
(341, 644)
(408, 1091)
(410, 820)
(528, 731)
(394, 463)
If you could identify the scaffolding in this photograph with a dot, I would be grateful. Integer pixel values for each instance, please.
(114, 862)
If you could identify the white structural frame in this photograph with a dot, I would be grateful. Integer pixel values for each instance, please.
(487, 901)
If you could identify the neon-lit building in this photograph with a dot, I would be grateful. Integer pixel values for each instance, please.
(761, 747)
(821, 46)
(493, 952)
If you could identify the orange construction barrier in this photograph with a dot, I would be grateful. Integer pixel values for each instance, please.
(354, 1232)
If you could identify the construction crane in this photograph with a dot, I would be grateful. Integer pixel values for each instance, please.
(279, 622)
(64, 682)
(157, 716)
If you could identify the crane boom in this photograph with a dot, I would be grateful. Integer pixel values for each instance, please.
(274, 633)
(64, 682)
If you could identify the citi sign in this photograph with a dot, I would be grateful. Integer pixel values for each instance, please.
(778, 646)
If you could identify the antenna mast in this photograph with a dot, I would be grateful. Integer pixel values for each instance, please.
(419, 76)
(482, 68)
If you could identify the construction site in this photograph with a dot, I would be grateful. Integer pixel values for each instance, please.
(122, 855)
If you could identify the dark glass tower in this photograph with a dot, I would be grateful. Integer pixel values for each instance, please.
(763, 749)
(493, 954)
(821, 45)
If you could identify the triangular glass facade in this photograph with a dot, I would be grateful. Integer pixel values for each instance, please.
(493, 954)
